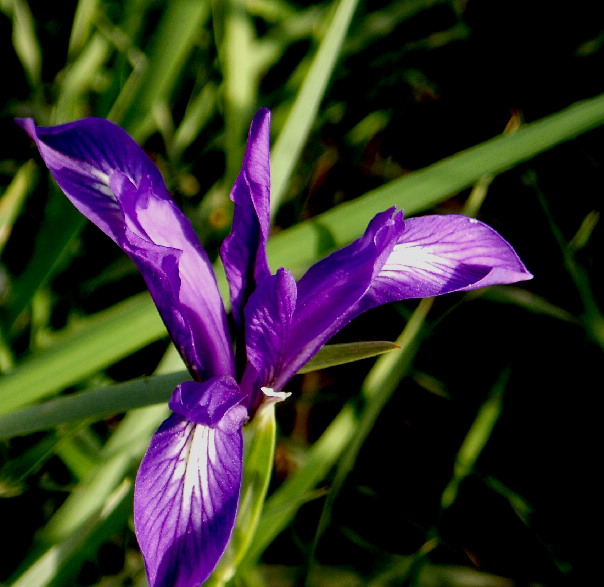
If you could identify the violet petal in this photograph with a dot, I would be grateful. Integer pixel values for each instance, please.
(110, 179)
(330, 291)
(243, 252)
(440, 254)
(186, 497)
(268, 317)
(81, 156)
(206, 403)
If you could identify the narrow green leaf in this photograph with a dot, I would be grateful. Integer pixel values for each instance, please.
(14, 473)
(82, 25)
(525, 299)
(474, 442)
(79, 451)
(240, 82)
(60, 563)
(52, 245)
(300, 245)
(259, 456)
(120, 457)
(146, 391)
(91, 405)
(79, 78)
(196, 117)
(174, 39)
(339, 354)
(294, 134)
(95, 344)
(25, 40)
(13, 198)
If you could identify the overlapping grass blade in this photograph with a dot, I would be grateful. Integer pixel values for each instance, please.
(25, 40)
(13, 199)
(176, 35)
(98, 342)
(240, 84)
(138, 393)
(302, 115)
(422, 189)
(91, 405)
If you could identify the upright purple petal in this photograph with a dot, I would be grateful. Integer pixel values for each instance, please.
(187, 491)
(110, 179)
(268, 317)
(440, 254)
(329, 293)
(243, 252)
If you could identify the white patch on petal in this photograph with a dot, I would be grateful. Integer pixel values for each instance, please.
(201, 453)
(100, 175)
(58, 161)
(407, 256)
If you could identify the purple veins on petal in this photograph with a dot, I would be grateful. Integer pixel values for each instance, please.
(186, 497)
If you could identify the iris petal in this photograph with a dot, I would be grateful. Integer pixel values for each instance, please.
(440, 254)
(82, 155)
(243, 252)
(330, 292)
(110, 179)
(186, 497)
(268, 317)
(207, 402)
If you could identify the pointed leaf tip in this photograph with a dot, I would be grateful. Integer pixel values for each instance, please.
(340, 354)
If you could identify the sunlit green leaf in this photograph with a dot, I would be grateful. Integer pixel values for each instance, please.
(339, 354)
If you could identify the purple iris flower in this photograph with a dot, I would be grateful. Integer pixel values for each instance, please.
(188, 484)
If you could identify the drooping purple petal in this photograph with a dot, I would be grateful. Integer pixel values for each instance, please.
(82, 155)
(110, 179)
(243, 252)
(435, 255)
(330, 291)
(186, 496)
(207, 403)
(268, 317)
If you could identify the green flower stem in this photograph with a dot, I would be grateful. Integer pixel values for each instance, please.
(344, 436)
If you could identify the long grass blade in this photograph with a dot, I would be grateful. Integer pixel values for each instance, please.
(295, 131)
